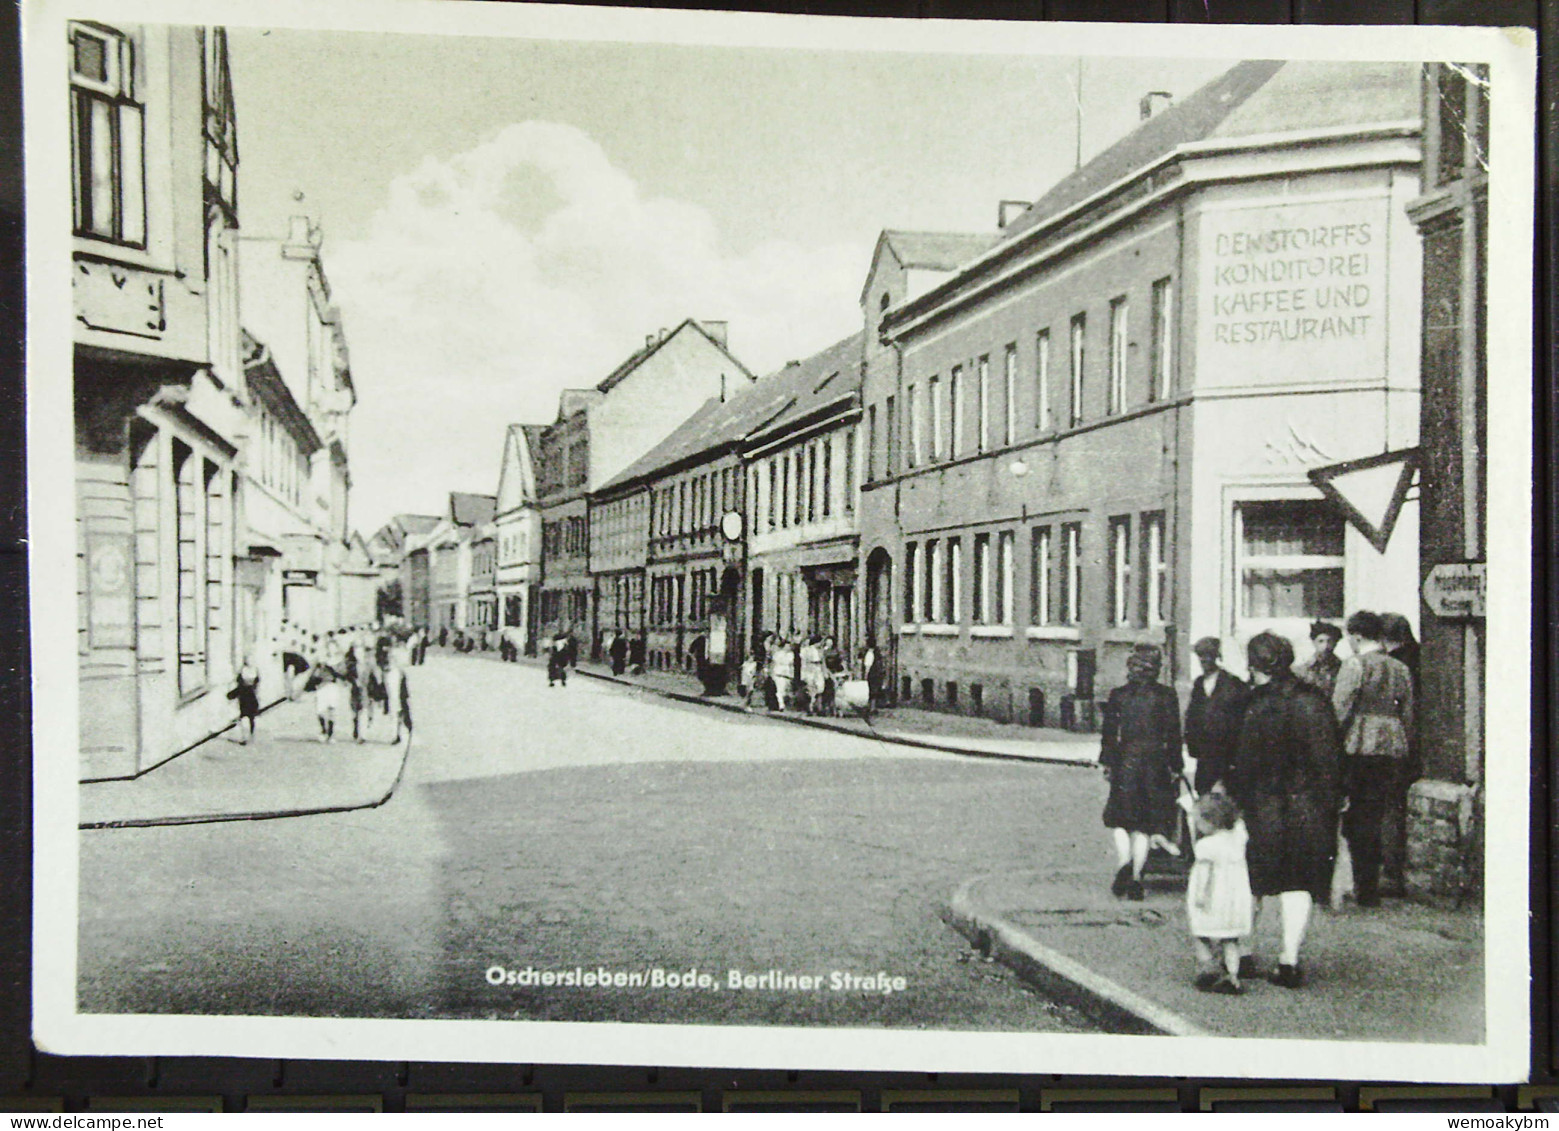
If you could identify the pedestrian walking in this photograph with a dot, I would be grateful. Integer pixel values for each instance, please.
(328, 683)
(813, 674)
(396, 699)
(1218, 899)
(1374, 704)
(560, 657)
(871, 672)
(782, 672)
(246, 693)
(1320, 670)
(293, 662)
(1212, 718)
(1285, 781)
(1140, 754)
(617, 653)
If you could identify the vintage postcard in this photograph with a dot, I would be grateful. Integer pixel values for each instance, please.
(611, 536)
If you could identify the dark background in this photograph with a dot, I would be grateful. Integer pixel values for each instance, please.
(28, 1077)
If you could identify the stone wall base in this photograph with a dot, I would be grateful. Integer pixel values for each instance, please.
(1444, 840)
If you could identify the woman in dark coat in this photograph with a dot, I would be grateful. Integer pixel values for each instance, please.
(1285, 777)
(1140, 754)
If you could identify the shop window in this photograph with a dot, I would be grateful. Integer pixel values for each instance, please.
(1039, 575)
(1120, 571)
(107, 150)
(1291, 560)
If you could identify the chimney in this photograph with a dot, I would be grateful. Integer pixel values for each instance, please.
(1145, 107)
(719, 331)
(664, 334)
(1008, 209)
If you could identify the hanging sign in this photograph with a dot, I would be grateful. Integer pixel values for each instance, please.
(1370, 491)
(1455, 590)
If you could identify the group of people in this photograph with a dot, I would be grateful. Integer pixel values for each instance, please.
(353, 674)
(802, 673)
(1280, 762)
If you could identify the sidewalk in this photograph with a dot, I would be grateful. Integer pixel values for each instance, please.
(907, 726)
(286, 771)
(1401, 972)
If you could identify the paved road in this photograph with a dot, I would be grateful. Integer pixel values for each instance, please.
(598, 827)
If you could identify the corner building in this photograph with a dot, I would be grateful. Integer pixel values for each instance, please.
(1099, 431)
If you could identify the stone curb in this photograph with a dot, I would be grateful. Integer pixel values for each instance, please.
(824, 724)
(1059, 977)
(260, 814)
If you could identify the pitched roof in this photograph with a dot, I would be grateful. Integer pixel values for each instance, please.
(756, 407)
(937, 251)
(826, 377)
(1190, 120)
(650, 348)
(417, 523)
(467, 509)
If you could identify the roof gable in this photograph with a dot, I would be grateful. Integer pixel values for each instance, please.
(516, 475)
(468, 509)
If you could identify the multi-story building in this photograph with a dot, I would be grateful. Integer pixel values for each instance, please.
(1101, 428)
(517, 529)
(667, 540)
(482, 600)
(1444, 812)
(417, 579)
(303, 371)
(159, 389)
(390, 549)
(803, 482)
(600, 431)
(904, 265)
(449, 562)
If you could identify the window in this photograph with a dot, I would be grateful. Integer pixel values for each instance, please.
(954, 410)
(871, 443)
(773, 492)
(1079, 358)
(931, 588)
(1120, 570)
(890, 425)
(952, 590)
(849, 471)
(980, 604)
(1071, 573)
(1039, 575)
(191, 482)
(1002, 597)
(911, 579)
(221, 131)
(1155, 569)
(827, 444)
(1291, 560)
(814, 479)
(106, 123)
(984, 395)
(1161, 361)
(1042, 381)
(784, 490)
(800, 492)
(912, 417)
(1118, 344)
(1009, 426)
(934, 402)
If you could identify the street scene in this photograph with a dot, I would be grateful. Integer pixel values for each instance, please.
(550, 562)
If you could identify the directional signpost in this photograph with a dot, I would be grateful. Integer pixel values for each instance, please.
(1455, 590)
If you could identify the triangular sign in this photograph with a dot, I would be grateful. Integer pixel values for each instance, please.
(1370, 491)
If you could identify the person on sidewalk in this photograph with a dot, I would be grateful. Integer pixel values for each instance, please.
(1218, 899)
(557, 659)
(1397, 639)
(1212, 718)
(782, 672)
(1285, 781)
(617, 652)
(327, 683)
(1140, 753)
(1374, 704)
(246, 692)
(1320, 670)
(397, 704)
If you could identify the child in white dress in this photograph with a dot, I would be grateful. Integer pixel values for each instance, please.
(1218, 900)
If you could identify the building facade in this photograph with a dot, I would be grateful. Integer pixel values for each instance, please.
(803, 501)
(1445, 813)
(598, 433)
(159, 389)
(302, 525)
(449, 556)
(1101, 429)
(482, 601)
(517, 531)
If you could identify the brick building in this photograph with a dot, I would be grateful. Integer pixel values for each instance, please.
(1099, 431)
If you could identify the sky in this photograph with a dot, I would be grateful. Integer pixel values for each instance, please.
(507, 218)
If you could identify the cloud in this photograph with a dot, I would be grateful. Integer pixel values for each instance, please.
(529, 264)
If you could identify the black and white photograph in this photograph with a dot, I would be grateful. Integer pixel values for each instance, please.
(615, 536)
